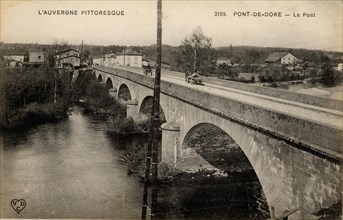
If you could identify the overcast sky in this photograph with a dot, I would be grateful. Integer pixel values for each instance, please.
(21, 23)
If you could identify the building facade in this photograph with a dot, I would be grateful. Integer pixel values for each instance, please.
(110, 60)
(14, 57)
(284, 58)
(37, 56)
(129, 58)
(68, 57)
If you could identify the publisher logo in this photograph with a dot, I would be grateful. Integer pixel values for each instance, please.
(18, 205)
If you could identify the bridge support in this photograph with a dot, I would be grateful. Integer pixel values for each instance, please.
(170, 143)
(132, 109)
(113, 92)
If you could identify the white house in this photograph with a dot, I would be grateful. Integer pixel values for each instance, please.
(339, 67)
(68, 57)
(14, 57)
(129, 58)
(110, 60)
(97, 61)
(281, 58)
(37, 56)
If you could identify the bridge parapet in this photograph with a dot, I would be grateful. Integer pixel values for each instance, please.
(313, 136)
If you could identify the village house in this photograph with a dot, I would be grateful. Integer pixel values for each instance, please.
(223, 60)
(129, 58)
(14, 57)
(284, 58)
(97, 61)
(36, 56)
(339, 67)
(14, 60)
(110, 60)
(68, 57)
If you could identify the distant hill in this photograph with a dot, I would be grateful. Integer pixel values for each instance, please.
(252, 54)
(171, 54)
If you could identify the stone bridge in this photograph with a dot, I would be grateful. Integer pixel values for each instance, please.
(295, 149)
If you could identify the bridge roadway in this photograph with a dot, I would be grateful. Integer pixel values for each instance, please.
(324, 116)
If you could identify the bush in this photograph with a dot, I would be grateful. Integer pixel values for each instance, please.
(166, 171)
(123, 125)
(330, 77)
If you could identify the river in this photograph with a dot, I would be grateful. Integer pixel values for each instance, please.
(67, 169)
(72, 169)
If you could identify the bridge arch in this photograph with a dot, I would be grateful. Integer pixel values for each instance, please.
(100, 78)
(109, 83)
(146, 107)
(207, 143)
(124, 93)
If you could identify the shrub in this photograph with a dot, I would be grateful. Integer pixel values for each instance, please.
(166, 171)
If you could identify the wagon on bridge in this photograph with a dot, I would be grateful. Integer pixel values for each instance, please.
(194, 78)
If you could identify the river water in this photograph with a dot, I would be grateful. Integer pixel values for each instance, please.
(67, 169)
(72, 169)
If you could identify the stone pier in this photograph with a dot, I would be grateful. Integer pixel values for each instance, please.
(170, 143)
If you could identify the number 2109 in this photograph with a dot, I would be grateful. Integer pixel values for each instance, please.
(219, 13)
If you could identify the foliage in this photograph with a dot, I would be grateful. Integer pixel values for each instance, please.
(166, 171)
(331, 77)
(98, 99)
(123, 125)
(29, 95)
(224, 70)
(197, 53)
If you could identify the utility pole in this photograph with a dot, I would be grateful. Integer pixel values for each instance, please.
(81, 56)
(152, 157)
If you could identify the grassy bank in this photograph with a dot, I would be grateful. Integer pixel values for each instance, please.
(34, 114)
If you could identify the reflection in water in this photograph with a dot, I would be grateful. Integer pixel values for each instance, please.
(67, 169)
(70, 169)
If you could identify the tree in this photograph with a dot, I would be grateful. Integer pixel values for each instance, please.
(328, 77)
(224, 70)
(197, 53)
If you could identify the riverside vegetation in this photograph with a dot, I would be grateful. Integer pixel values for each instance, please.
(34, 95)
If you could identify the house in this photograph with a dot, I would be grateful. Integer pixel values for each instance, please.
(14, 57)
(281, 58)
(14, 60)
(223, 60)
(36, 56)
(68, 57)
(339, 67)
(129, 58)
(110, 60)
(97, 61)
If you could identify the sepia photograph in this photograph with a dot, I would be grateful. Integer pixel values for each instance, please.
(171, 109)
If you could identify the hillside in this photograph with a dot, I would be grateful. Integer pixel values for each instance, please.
(171, 54)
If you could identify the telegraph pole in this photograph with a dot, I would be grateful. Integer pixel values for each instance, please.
(152, 157)
(156, 111)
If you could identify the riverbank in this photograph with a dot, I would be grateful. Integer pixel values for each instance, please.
(34, 114)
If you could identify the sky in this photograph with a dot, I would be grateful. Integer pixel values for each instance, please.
(319, 25)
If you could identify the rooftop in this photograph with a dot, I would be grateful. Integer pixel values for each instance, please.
(65, 50)
(130, 52)
(36, 50)
(276, 56)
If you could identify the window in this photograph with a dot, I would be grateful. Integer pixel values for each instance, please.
(39, 57)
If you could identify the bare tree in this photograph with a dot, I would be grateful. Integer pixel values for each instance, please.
(197, 52)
